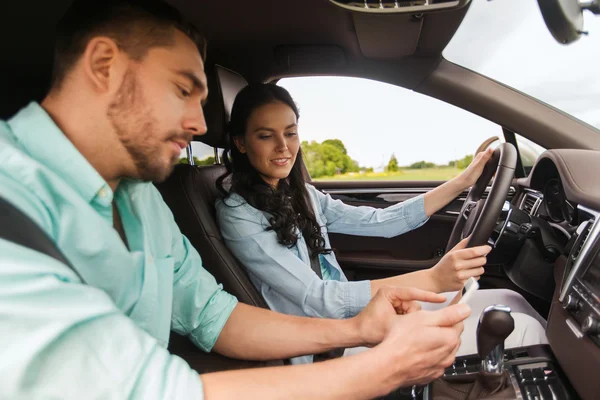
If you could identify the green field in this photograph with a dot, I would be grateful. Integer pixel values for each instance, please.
(425, 174)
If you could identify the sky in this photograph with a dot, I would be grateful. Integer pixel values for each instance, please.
(506, 40)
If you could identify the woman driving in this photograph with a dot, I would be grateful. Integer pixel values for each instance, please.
(277, 225)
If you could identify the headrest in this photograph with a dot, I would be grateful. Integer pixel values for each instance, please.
(223, 86)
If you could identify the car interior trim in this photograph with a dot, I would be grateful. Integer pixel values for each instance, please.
(582, 256)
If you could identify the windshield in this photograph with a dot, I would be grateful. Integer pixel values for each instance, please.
(508, 41)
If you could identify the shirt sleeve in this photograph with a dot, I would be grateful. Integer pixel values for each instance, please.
(200, 305)
(63, 339)
(369, 221)
(243, 229)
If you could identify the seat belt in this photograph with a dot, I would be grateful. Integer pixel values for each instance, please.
(315, 265)
(17, 227)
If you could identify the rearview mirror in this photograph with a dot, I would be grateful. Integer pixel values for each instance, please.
(564, 18)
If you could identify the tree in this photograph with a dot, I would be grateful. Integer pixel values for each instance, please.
(205, 161)
(464, 162)
(392, 164)
(327, 158)
(336, 143)
(422, 165)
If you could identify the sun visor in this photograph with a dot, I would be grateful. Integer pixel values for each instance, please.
(387, 37)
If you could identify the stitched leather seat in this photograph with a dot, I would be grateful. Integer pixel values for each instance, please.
(191, 193)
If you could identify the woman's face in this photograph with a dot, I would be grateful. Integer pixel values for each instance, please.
(271, 141)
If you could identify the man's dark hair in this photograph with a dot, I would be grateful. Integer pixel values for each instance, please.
(135, 25)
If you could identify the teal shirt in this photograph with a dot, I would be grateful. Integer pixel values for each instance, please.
(105, 337)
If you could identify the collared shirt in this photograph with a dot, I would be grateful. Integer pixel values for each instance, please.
(104, 337)
(283, 274)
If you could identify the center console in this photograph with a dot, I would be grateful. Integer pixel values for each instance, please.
(532, 372)
(565, 369)
(574, 321)
(580, 291)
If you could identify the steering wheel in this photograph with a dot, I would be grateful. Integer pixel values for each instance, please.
(478, 216)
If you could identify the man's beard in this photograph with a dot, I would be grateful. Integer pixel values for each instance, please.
(136, 128)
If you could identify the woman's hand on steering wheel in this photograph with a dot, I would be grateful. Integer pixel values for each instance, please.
(470, 175)
(458, 265)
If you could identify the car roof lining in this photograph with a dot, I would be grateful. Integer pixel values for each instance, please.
(332, 40)
(260, 40)
(266, 41)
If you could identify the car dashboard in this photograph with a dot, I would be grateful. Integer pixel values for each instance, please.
(563, 190)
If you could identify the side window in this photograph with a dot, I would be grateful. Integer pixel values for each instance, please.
(358, 129)
(529, 152)
(203, 154)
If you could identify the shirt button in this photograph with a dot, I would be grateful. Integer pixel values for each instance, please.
(149, 259)
(102, 192)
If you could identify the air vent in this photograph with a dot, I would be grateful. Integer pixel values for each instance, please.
(399, 6)
(581, 240)
(530, 204)
(385, 3)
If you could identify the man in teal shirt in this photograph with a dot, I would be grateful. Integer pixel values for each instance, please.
(126, 98)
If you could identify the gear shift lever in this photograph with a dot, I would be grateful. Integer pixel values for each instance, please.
(495, 324)
(492, 382)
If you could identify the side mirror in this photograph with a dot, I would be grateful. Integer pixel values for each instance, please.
(564, 18)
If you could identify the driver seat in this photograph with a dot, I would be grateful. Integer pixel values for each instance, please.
(191, 192)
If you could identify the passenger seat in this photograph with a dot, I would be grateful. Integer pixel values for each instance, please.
(191, 193)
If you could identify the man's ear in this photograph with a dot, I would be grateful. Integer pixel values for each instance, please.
(239, 143)
(100, 62)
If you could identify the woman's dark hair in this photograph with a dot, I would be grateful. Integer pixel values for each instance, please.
(288, 203)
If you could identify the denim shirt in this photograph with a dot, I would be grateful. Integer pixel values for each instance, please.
(283, 275)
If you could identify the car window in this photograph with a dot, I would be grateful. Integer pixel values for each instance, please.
(529, 152)
(203, 154)
(509, 42)
(359, 129)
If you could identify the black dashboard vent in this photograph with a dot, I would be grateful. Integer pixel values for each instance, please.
(581, 241)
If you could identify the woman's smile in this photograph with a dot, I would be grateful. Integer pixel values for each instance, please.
(281, 162)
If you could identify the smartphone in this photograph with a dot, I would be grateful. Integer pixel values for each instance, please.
(467, 291)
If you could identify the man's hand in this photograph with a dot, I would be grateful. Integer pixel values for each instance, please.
(422, 344)
(376, 319)
(415, 347)
(470, 175)
(458, 265)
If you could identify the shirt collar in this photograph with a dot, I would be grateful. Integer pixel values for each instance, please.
(43, 140)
